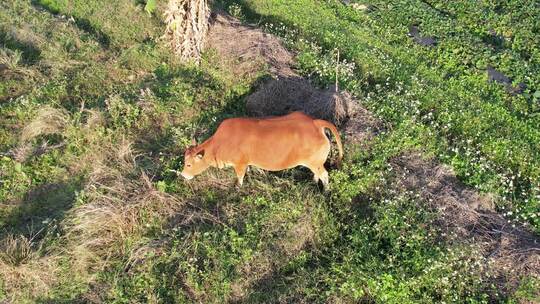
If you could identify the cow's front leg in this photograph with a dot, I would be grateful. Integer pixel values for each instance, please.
(240, 170)
(325, 180)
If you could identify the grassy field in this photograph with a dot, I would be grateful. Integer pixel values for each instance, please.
(95, 114)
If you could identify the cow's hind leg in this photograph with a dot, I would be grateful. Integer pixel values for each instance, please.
(315, 175)
(240, 170)
(320, 173)
(319, 170)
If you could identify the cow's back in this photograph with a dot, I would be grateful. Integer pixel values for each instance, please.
(273, 143)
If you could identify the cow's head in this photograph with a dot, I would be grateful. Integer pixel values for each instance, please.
(194, 162)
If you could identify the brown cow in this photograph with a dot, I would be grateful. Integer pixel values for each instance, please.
(273, 144)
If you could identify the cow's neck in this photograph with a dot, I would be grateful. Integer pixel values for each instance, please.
(209, 153)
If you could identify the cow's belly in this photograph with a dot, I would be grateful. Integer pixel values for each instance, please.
(276, 166)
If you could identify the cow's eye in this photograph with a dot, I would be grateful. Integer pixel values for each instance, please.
(188, 165)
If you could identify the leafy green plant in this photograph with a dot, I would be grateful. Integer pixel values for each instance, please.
(123, 114)
(54, 6)
(150, 6)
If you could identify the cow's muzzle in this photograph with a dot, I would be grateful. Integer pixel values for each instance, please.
(186, 176)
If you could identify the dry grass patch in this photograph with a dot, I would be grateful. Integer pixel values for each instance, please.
(23, 273)
(94, 119)
(285, 95)
(248, 49)
(10, 59)
(31, 280)
(49, 120)
(510, 252)
(16, 249)
(120, 200)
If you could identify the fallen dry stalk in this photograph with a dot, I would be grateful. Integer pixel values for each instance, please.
(186, 26)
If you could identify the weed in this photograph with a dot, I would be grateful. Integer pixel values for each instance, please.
(16, 250)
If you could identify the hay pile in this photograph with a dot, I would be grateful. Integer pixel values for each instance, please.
(285, 95)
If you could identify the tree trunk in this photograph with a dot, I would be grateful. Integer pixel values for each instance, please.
(186, 27)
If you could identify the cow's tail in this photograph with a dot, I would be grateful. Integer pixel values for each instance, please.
(325, 124)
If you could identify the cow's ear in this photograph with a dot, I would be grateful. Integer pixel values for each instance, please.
(200, 154)
(193, 142)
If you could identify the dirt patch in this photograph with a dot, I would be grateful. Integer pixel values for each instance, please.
(246, 47)
(467, 216)
(361, 126)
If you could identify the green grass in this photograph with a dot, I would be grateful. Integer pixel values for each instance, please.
(108, 22)
(96, 113)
